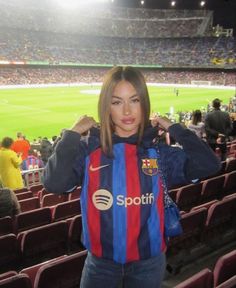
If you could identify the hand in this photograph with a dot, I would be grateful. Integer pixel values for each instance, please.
(83, 124)
(163, 122)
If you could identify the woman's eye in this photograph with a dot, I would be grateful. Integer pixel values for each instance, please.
(135, 100)
(115, 102)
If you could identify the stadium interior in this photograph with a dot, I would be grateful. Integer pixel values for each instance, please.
(47, 42)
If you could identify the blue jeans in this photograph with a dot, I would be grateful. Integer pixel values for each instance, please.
(100, 273)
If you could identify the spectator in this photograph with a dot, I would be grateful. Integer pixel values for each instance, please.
(9, 205)
(32, 161)
(10, 166)
(218, 126)
(45, 149)
(21, 145)
(196, 124)
(119, 167)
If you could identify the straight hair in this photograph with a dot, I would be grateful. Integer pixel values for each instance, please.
(111, 79)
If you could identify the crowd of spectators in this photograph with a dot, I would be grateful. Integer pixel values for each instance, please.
(45, 75)
(55, 48)
(101, 21)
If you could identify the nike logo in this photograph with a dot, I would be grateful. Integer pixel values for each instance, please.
(93, 169)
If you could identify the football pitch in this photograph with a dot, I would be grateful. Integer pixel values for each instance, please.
(45, 111)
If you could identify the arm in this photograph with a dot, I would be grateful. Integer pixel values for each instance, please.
(201, 161)
(16, 160)
(65, 168)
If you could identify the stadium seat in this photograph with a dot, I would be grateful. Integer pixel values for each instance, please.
(43, 243)
(32, 270)
(29, 204)
(75, 194)
(66, 210)
(225, 268)
(24, 195)
(53, 199)
(33, 218)
(9, 253)
(192, 224)
(21, 190)
(7, 274)
(75, 234)
(203, 279)
(6, 225)
(230, 183)
(219, 221)
(204, 205)
(189, 196)
(230, 283)
(212, 188)
(230, 165)
(35, 188)
(17, 281)
(64, 272)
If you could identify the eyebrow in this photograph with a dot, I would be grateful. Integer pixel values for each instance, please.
(133, 96)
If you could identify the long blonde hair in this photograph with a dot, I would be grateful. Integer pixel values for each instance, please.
(112, 78)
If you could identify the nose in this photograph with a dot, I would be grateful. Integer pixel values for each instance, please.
(126, 109)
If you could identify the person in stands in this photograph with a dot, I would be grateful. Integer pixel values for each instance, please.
(9, 205)
(21, 145)
(10, 162)
(121, 170)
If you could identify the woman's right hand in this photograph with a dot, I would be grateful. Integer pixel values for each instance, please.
(83, 124)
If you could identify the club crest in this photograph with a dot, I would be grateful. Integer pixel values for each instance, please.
(150, 166)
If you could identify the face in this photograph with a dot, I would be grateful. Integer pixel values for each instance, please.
(125, 110)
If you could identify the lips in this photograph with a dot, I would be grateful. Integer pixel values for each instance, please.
(128, 121)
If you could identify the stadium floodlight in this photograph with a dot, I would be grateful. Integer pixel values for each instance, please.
(142, 2)
(202, 3)
(173, 3)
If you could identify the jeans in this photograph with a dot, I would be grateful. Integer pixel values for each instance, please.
(100, 273)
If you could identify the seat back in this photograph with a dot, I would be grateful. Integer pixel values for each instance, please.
(230, 183)
(212, 188)
(75, 233)
(44, 242)
(230, 165)
(33, 218)
(202, 279)
(66, 209)
(7, 274)
(6, 225)
(29, 204)
(53, 199)
(75, 194)
(64, 273)
(230, 283)
(9, 253)
(17, 281)
(24, 195)
(225, 268)
(189, 196)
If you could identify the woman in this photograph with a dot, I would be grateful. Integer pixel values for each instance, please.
(10, 162)
(197, 125)
(118, 166)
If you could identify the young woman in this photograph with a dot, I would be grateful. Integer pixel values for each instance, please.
(197, 125)
(119, 167)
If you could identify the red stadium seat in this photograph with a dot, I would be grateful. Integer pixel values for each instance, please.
(75, 233)
(29, 204)
(189, 196)
(66, 210)
(7, 274)
(44, 242)
(6, 225)
(24, 195)
(203, 279)
(225, 268)
(17, 281)
(9, 253)
(64, 272)
(230, 183)
(212, 188)
(53, 199)
(33, 218)
(230, 283)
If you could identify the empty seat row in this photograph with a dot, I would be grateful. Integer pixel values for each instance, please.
(206, 226)
(39, 216)
(223, 275)
(188, 196)
(64, 271)
(42, 243)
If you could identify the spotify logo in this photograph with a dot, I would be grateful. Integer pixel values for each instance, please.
(102, 199)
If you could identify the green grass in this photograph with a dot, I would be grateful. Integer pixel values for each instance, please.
(45, 111)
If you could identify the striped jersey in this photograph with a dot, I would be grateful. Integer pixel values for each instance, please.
(122, 204)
